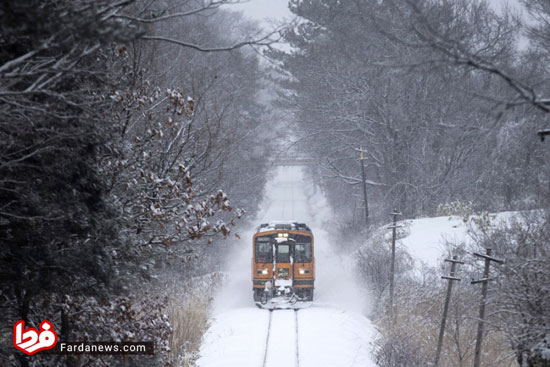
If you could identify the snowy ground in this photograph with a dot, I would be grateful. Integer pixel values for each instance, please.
(426, 238)
(332, 332)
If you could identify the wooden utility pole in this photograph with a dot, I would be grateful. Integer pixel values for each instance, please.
(451, 278)
(394, 227)
(364, 176)
(488, 258)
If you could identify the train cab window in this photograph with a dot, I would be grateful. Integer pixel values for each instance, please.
(302, 250)
(283, 253)
(264, 253)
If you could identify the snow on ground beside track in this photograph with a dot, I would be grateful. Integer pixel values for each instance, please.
(332, 332)
(235, 338)
(345, 338)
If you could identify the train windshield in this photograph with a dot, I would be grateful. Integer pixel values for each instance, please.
(302, 250)
(264, 254)
(283, 253)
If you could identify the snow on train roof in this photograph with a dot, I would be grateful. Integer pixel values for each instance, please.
(283, 225)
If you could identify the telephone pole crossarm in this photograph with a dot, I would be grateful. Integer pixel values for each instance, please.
(451, 278)
(454, 261)
(394, 226)
(483, 280)
(543, 134)
(490, 258)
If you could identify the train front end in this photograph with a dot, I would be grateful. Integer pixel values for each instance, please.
(283, 265)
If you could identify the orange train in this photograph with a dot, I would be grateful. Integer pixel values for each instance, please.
(283, 265)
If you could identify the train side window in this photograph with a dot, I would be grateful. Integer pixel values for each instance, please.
(283, 253)
(264, 253)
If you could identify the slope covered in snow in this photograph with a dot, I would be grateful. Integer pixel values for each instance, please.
(425, 238)
(332, 332)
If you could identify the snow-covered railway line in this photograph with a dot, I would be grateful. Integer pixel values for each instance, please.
(330, 333)
(281, 347)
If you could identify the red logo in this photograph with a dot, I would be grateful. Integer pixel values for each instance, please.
(31, 341)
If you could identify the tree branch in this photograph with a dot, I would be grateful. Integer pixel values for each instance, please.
(264, 41)
(210, 6)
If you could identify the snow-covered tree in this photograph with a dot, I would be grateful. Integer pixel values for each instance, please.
(361, 76)
(111, 170)
(521, 306)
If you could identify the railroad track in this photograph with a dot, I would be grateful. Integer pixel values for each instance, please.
(267, 337)
(278, 342)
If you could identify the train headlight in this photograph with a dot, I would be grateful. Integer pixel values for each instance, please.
(262, 271)
(303, 271)
(282, 235)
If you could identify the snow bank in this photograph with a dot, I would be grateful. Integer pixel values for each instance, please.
(425, 238)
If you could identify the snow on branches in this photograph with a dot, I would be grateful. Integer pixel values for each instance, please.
(169, 202)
